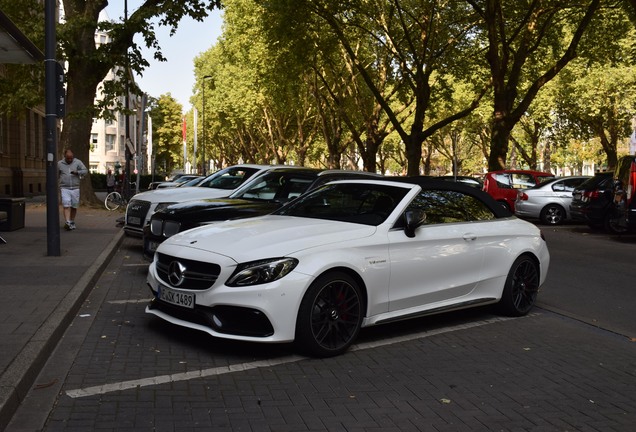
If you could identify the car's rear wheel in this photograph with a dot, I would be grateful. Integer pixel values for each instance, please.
(330, 315)
(552, 214)
(506, 205)
(521, 288)
(613, 224)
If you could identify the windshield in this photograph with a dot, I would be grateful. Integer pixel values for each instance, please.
(363, 203)
(596, 181)
(228, 178)
(193, 182)
(276, 186)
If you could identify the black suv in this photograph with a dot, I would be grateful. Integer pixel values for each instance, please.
(260, 196)
(592, 200)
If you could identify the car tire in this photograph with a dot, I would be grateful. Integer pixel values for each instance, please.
(330, 315)
(552, 214)
(521, 288)
(506, 206)
(612, 225)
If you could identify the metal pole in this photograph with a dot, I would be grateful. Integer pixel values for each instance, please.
(203, 130)
(140, 140)
(127, 123)
(205, 139)
(50, 63)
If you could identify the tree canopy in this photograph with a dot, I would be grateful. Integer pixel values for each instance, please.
(401, 86)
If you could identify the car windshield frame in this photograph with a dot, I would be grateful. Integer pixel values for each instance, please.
(287, 181)
(365, 203)
(219, 180)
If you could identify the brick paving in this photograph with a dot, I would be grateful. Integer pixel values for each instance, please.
(40, 293)
(544, 372)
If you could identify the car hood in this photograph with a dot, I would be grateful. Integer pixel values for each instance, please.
(192, 213)
(265, 237)
(181, 194)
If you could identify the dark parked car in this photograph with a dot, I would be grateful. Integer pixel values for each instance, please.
(177, 181)
(467, 180)
(258, 197)
(623, 215)
(592, 200)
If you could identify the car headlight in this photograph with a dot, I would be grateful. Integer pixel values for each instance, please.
(162, 206)
(261, 272)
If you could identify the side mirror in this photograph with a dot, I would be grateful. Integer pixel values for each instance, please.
(413, 218)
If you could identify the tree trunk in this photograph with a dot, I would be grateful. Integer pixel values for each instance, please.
(76, 130)
(499, 142)
(413, 148)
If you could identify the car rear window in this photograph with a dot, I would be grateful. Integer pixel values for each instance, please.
(596, 181)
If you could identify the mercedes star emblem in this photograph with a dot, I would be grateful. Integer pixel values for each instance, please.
(176, 272)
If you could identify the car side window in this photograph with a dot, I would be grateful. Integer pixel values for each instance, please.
(522, 181)
(560, 187)
(447, 206)
(567, 185)
(503, 181)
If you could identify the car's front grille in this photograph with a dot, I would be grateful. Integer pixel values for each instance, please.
(197, 275)
(164, 228)
(136, 213)
(234, 320)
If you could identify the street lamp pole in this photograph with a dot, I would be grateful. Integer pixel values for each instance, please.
(205, 164)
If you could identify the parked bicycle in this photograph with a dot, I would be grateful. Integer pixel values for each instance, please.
(117, 198)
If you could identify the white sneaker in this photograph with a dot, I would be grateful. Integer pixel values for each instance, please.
(72, 225)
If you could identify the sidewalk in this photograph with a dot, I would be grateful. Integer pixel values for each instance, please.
(40, 294)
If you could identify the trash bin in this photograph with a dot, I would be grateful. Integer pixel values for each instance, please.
(14, 207)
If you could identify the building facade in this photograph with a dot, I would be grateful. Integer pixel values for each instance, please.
(22, 134)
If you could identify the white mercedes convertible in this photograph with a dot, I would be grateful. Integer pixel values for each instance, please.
(348, 255)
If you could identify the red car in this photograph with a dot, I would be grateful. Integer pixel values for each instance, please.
(503, 185)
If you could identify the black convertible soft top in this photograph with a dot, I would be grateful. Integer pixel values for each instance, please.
(429, 183)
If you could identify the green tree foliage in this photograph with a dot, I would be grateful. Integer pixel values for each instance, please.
(167, 137)
(88, 64)
(256, 101)
(420, 38)
(21, 86)
(596, 94)
(528, 44)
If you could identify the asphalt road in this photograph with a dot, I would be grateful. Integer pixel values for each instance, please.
(119, 369)
(592, 277)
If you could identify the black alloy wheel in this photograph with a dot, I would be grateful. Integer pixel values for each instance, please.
(612, 223)
(330, 315)
(521, 288)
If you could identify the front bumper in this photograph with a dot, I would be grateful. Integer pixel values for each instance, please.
(259, 313)
(137, 214)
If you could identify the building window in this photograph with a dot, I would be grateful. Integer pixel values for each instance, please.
(110, 142)
(39, 142)
(94, 142)
(110, 118)
(2, 137)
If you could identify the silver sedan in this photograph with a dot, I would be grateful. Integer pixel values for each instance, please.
(548, 201)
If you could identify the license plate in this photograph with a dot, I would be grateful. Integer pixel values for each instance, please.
(133, 220)
(176, 297)
(152, 246)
